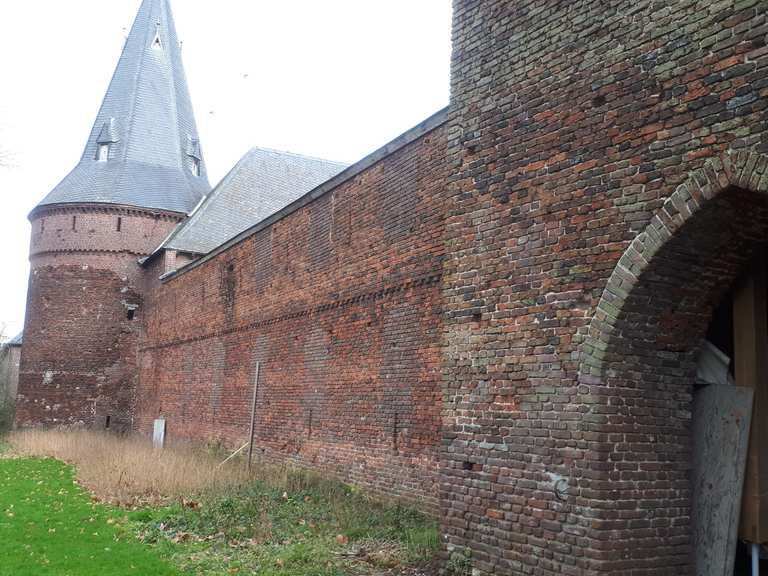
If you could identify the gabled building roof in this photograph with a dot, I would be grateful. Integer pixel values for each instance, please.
(147, 126)
(261, 183)
(16, 340)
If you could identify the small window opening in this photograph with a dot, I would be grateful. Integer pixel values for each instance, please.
(130, 314)
(395, 431)
(42, 225)
(74, 223)
(107, 422)
(196, 166)
(466, 465)
(119, 223)
(103, 154)
(157, 44)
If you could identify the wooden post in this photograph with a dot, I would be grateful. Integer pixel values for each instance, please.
(750, 333)
(253, 414)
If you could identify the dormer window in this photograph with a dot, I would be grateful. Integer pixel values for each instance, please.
(157, 43)
(194, 155)
(107, 137)
(103, 153)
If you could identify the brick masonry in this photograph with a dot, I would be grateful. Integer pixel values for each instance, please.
(78, 362)
(339, 303)
(585, 249)
(499, 319)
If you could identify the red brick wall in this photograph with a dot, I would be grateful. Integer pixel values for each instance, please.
(340, 303)
(552, 254)
(79, 353)
(73, 229)
(571, 122)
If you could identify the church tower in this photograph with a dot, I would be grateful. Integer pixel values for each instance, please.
(141, 173)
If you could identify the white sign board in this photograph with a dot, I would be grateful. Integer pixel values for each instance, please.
(158, 434)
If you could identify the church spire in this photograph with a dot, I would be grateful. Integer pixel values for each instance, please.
(144, 149)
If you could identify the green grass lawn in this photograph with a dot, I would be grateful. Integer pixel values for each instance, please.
(49, 525)
(302, 526)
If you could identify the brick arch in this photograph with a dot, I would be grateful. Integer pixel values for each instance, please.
(638, 363)
(745, 170)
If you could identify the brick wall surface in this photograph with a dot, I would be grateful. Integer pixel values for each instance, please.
(508, 308)
(566, 427)
(74, 229)
(78, 360)
(339, 302)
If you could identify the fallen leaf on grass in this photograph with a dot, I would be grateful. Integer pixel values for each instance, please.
(181, 537)
(190, 504)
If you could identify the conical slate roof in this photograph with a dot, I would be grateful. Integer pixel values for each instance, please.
(144, 148)
(261, 183)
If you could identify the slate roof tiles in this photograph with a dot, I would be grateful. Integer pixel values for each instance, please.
(260, 184)
(146, 119)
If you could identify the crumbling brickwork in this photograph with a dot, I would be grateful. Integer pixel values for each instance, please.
(339, 302)
(83, 314)
(566, 450)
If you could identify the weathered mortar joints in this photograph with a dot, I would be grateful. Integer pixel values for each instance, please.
(495, 317)
(571, 125)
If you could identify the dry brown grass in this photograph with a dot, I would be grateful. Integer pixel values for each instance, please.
(127, 470)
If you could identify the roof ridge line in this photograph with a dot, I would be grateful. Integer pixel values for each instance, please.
(297, 154)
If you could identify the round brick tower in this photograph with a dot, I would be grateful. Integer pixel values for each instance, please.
(141, 173)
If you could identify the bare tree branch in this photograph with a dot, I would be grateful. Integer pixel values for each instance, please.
(6, 158)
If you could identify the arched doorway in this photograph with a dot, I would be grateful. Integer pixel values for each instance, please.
(639, 362)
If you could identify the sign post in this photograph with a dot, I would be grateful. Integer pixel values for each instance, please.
(253, 414)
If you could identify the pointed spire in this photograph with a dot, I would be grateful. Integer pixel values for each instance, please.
(152, 157)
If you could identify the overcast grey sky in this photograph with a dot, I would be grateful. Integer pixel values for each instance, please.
(328, 78)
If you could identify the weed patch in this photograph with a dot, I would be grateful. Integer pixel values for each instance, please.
(304, 525)
(205, 520)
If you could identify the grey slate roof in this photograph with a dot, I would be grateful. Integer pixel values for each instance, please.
(16, 340)
(146, 119)
(261, 183)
